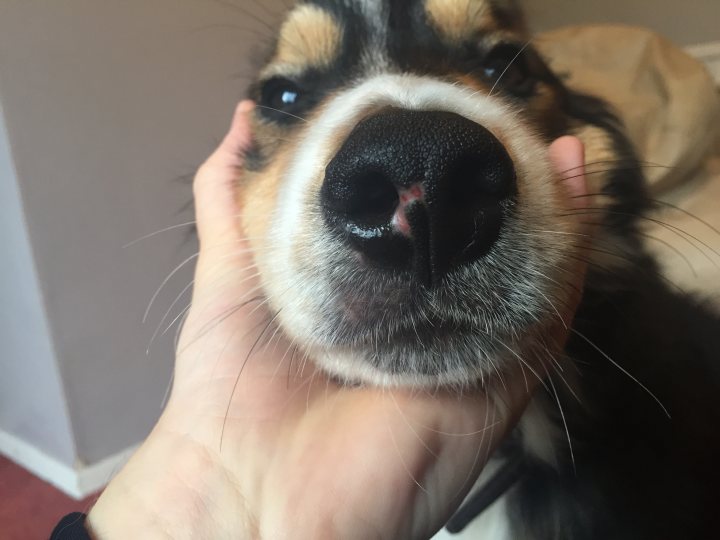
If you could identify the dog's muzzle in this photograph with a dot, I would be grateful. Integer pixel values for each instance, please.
(419, 192)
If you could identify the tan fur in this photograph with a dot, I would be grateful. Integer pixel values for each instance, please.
(599, 154)
(459, 20)
(608, 250)
(257, 198)
(472, 82)
(310, 37)
(544, 106)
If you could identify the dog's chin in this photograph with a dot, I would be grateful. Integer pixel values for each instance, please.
(409, 367)
(418, 355)
(381, 330)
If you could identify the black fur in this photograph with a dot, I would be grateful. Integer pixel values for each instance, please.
(638, 472)
(639, 469)
(412, 46)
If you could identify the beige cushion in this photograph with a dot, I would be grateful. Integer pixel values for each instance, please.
(671, 107)
(694, 261)
(666, 98)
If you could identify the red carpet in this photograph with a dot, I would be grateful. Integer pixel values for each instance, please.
(29, 507)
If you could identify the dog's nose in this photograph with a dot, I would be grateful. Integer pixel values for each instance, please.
(419, 191)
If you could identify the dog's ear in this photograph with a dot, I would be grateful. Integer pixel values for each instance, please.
(510, 15)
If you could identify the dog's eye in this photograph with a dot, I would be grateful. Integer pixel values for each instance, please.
(506, 67)
(281, 99)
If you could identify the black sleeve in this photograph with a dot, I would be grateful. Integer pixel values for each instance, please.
(71, 527)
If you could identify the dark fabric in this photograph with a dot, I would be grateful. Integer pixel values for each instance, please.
(71, 527)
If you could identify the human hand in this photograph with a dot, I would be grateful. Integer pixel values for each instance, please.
(257, 443)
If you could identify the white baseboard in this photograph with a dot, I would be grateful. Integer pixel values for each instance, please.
(92, 478)
(77, 481)
(709, 54)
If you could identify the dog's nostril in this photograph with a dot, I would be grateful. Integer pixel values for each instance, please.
(371, 199)
(472, 182)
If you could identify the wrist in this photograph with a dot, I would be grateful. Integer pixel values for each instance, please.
(171, 488)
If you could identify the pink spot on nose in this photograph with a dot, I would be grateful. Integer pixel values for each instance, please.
(407, 196)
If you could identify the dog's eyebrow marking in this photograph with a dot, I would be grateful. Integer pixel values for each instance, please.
(309, 37)
(459, 20)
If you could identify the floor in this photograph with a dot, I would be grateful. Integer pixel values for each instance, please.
(29, 507)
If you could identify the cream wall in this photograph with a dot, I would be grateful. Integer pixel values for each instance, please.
(106, 104)
(686, 22)
(32, 399)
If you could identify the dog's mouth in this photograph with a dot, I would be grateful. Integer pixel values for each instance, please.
(395, 328)
(411, 335)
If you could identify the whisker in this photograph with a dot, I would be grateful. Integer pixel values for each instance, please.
(673, 248)
(676, 230)
(522, 361)
(282, 360)
(564, 421)
(165, 282)
(303, 363)
(241, 30)
(613, 271)
(281, 112)
(558, 370)
(622, 370)
(156, 233)
(631, 164)
(402, 460)
(410, 427)
(183, 314)
(489, 426)
(168, 391)
(237, 379)
(292, 358)
(226, 315)
(497, 82)
(310, 385)
(254, 16)
(659, 202)
(564, 178)
(178, 330)
(272, 13)
(689, 214)
(166, 315)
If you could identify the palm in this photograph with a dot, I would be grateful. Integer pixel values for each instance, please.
(345, 458)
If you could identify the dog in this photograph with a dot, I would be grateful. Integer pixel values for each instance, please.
(409, 231)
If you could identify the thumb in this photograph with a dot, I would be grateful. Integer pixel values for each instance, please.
(215, 183)
(567, 155)
(222, 243)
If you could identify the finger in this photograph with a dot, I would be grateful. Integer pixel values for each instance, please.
(225, 278)
(216, 180)
(567, 155)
